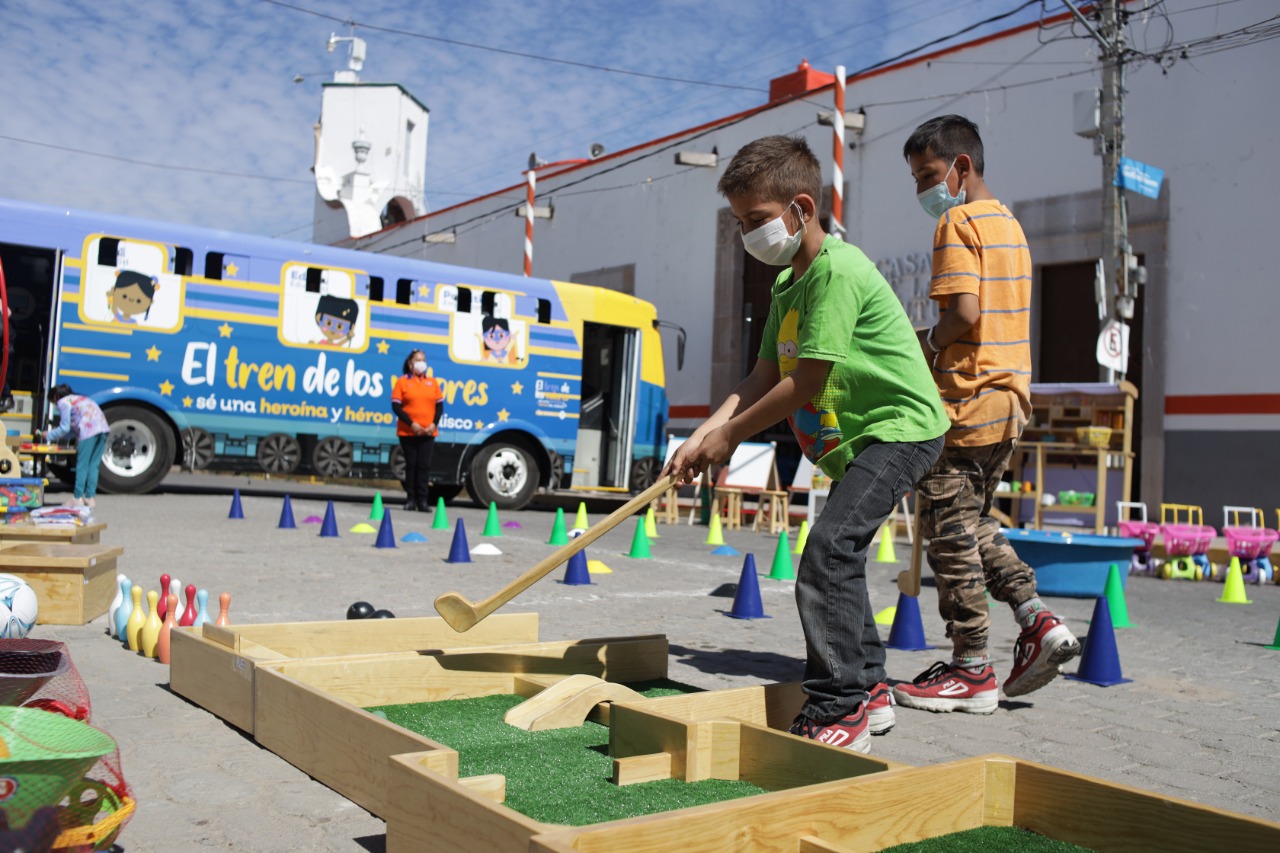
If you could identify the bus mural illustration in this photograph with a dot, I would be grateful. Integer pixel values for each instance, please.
(214, 350)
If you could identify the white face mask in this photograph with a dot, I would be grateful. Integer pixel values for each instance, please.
(771, 243)
(419, 368)
(938, 199)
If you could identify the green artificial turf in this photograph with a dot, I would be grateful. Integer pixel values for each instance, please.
(989, 839)
(558, 776)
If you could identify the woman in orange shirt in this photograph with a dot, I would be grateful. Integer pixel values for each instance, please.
(418, 401)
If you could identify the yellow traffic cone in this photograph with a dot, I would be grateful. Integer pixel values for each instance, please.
(1233, 588)
(885, 553)
(715, 536)
(581, 523)
(886, 616)
(802, 537)
(651, 525)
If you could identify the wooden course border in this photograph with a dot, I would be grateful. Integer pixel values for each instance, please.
(75, 583)
(78, 534)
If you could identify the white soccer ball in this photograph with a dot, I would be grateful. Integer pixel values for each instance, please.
(19, 607)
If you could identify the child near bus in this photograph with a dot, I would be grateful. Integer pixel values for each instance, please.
(418, 401)
(80, 417)
(840, 362)
(981, 355)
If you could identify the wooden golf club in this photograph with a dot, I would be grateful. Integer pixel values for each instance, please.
(462, 615)
(909, 580)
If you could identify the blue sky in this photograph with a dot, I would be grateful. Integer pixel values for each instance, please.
(187, 111)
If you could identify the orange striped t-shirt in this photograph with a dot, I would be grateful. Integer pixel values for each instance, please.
(985, 376)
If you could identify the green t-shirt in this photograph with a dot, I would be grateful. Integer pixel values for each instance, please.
(879, 387)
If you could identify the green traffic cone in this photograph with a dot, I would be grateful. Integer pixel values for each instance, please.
(802, 537)
(558, 534)
(1114, 592)
(782, 569)
(581, 522)
(1275, 644)
(651, 525)
(640, 542)
(715, 536)
(492, 527)
(375, 514)
(441, 519)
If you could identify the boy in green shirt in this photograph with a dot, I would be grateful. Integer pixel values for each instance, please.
(840, 361)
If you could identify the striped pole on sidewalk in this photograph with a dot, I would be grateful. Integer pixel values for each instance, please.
(837, 168)
(528, 222)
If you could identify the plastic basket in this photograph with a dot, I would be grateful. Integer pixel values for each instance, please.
(1094, 436)
(49, 755)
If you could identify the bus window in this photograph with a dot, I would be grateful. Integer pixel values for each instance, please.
(213, 265)
(319, 307)
(491, 336)
(183, 260)
(130, 282)
(544, 311)
(375, 288)
(404, 291)
(486, 301)
(463, 302)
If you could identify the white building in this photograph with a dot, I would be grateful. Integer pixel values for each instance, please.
(1203, 329)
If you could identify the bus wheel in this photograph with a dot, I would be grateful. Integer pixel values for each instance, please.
(279, 453)
(332, 457)
(505, 474)
(644, 472)
(197, 448)
(139, 450)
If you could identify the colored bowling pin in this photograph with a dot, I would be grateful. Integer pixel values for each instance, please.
(162, 642)
(149, 633)
(164, 591)
(202, 611)
(189, 615)
(137, 616)
(115, 605)
(125, 610)
(224, 602)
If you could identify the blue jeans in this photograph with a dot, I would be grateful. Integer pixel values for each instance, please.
(844, 653)
(88, 458)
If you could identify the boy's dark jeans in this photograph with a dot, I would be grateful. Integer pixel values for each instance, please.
(844, 651)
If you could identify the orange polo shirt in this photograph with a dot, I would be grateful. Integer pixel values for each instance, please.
(419, 395)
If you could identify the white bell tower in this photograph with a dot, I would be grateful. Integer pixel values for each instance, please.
(371, 153)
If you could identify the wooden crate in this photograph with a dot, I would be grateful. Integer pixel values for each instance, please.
(898, 807)
(75, 583)
(81, 534)
(311, 712)
(215, 667)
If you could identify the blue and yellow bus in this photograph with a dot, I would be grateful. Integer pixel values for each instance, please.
(214, 350)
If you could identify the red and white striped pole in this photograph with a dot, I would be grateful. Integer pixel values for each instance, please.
(837, 167)
(528, 222)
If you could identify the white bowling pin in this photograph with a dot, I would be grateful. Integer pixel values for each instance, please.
(121, 580)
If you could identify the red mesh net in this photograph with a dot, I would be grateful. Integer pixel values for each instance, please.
(61, 786)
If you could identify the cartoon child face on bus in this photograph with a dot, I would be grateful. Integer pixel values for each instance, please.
(131, 296)
(497, 340)
(336, 316)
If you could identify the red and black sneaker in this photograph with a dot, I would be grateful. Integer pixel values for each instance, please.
(943, 687)
(848, 732)
(880, 716)
(1038, 654)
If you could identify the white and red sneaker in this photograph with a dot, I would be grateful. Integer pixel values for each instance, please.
(849, 732)
(943, 687)
(1038, 654)
(880, 716)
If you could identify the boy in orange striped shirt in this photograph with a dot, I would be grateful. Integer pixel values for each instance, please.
(981, 356)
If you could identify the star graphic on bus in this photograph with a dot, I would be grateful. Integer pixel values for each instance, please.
(153, 353)
(424, 290)
(479, 425)
(166, 388)
(517, 388)
(503, 415)
(224, 331)
(232, 269)
(186, 402)
(383, 346)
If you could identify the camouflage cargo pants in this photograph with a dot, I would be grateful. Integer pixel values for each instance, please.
(967, 552)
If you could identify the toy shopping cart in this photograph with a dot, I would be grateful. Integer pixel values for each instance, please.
(1250, 543)
(1141, 563)
(1186, 542)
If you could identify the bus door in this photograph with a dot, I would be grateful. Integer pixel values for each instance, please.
(30, 275)
(610, 379)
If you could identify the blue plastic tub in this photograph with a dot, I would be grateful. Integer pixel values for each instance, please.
(1074, 565)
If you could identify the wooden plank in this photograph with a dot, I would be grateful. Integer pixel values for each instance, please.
(391, 679)
(814, 844)
(1001, 786)
(772, 705)
(68, 594)
(427, 812)
(567, 703)
(338, 743)
(634, 730)
(83, 534)
(213, 676)
(56, 555)
(224, 636)
(371, 636)
(616, 659)
(776, 761)
(492, 786)
(641, 768)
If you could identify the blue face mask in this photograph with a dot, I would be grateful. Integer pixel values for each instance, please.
(938, 199)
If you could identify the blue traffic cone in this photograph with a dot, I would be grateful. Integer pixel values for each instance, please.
(576, 573)
(236, 510)
(386, 533)
(746, 601)
(458, 551)
(1100, 662)
(907, 632)
(286, 515)
(330, 525)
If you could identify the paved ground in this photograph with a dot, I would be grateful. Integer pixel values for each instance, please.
(1201, 719)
